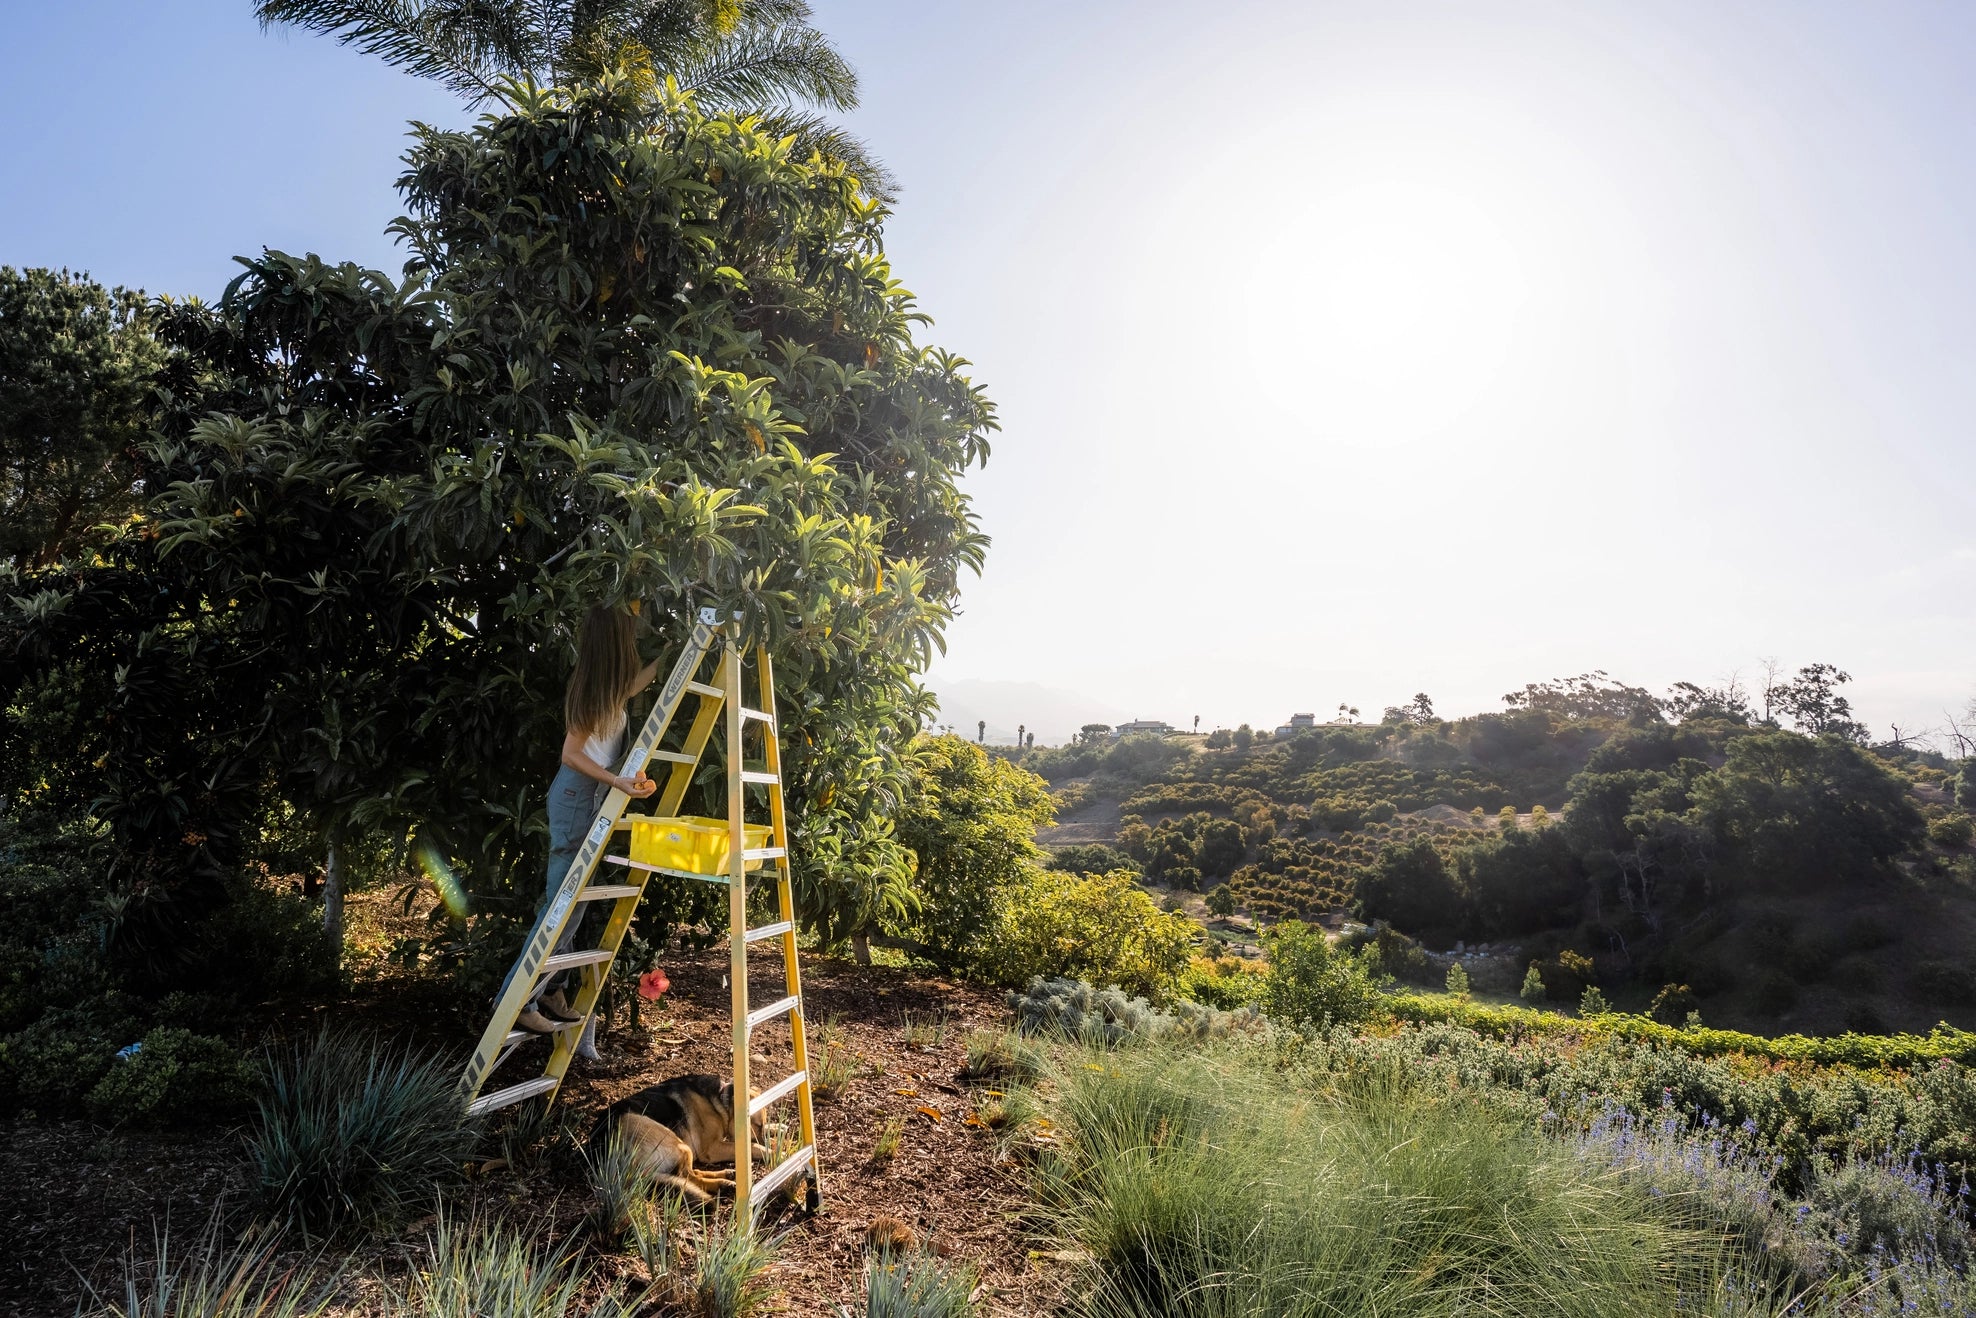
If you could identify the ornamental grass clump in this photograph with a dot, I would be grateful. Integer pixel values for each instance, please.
(1200, 1183)
(217, 1276)
(357, 1132)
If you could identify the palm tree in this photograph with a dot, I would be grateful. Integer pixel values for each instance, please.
(755, 56)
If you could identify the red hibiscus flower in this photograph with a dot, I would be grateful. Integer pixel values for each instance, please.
(652, 985)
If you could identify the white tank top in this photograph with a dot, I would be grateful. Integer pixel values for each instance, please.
(604, 745)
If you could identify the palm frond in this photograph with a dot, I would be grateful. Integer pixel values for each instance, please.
(465, 44)
(760, 64)
(815, 133)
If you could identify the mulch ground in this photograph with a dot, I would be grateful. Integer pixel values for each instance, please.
(76, 1196)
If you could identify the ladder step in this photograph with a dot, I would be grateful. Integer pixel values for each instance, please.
(571, 960)
(764, 853)
(780, 1090)
(784, 1171)
(769, 931)
(500, 1098)
(751, 776)
(760, 716)
(702, 689)
(675, 757)
(763, 1015)
(601, 892)
(519, 1035)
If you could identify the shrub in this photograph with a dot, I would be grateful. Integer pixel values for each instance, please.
(1068, 1009)
(1952, 831)
(1457, 980)
(1094, 858)
(176, 1078)
(1309, 981)
(1672, 1005)
(1533, 985)
(1102, 928)
(1225, 982)
(48, 1067)
(1593, 1003)
(357, 1131)
(1951, 982)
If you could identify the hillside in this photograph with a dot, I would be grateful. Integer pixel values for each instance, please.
(1788, 881)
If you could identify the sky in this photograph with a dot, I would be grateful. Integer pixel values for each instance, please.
(1342, 351)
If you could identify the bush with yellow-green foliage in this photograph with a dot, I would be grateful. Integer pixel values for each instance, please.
(1226, 982)
(1100, 928)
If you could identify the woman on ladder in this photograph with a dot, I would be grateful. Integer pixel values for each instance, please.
(608, 674)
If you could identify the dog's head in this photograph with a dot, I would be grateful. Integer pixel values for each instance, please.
(757, 1123)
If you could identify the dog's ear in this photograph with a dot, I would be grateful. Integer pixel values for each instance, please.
(727, 1092)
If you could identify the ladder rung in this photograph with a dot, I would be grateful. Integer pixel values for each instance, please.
(702, 689)
(571, 960)
(780, 1007)
(751, 776)
(781, 1089)
(519, 1035)
(541, 1084)
(675, 757)
(769, 931)
(784, 1171)
(598, 892)
(760, 716)
(763, 853)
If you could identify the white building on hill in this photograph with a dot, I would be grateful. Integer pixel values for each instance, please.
(1155, 726)
(1297, 723)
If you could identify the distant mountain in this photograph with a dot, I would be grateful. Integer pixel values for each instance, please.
(1053, 714)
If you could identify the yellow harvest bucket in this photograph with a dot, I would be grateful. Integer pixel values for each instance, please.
(690, 843)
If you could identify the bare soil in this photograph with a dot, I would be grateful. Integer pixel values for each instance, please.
(78, 1196)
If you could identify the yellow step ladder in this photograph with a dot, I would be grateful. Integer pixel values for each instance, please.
(502, 1039)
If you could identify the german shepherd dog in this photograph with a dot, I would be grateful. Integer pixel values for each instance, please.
(676, 1126)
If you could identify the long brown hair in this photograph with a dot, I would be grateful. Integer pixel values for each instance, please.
(606, 667)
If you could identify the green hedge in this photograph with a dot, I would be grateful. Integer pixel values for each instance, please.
(1889, 1051)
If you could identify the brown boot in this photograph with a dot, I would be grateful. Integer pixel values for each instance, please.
(554, 1004)
(536, 1023)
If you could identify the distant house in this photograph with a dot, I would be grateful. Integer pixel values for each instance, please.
(1297, 723)
(1152, 725)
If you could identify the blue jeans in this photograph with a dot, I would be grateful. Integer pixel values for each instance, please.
(574, 800)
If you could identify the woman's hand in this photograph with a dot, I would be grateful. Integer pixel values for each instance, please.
(639, 787)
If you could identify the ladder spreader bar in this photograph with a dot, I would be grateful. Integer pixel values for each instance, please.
(702, 689)
(760, 716)
(752, 776)
(769, 931)
(764, 853)
(674, 757)
(780, 1007)
(629, 863)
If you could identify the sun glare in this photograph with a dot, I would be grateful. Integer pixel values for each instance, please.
(1400, 302)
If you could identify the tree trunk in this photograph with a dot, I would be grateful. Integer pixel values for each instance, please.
(861, 947)
(332, 899)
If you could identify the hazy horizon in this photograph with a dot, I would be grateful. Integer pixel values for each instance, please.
(1343, 351)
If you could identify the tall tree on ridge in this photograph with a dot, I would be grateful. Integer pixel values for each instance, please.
(760, 57)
